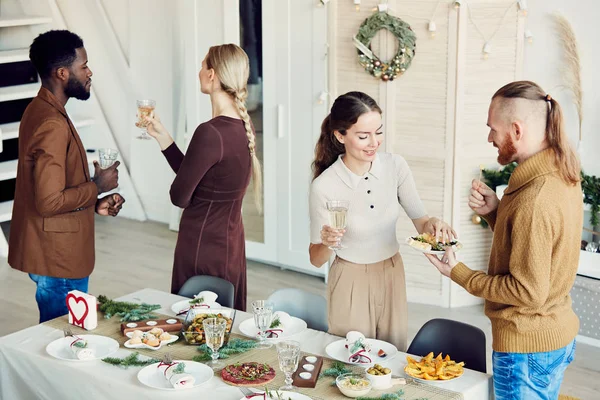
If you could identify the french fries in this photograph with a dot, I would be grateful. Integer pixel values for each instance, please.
(433, 369)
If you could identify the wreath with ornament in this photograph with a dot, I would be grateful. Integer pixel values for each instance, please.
(385, 70)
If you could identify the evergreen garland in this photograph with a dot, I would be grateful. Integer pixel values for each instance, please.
(131, 360)
(235, 346)
(387, 70)
(127, 311)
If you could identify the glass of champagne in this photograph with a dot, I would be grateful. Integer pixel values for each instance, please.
(107, 157)
(145, 109)
(263, 314)
(338, 211)
(288, 354)
(214, 333)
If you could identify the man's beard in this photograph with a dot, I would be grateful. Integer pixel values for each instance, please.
(76, 89)
(507, 151)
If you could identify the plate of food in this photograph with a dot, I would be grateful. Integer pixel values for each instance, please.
(176, 375)
(82, 347)
(205, 299)
(248, 374)
(282, 326)
(427, 244)
(193, 328)
(153, 339)
(358, 350)
(434, 369)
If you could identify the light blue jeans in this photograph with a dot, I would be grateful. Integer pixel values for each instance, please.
(531, 376)
(51, 294)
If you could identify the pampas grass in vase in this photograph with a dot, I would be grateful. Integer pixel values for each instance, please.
(571, 71)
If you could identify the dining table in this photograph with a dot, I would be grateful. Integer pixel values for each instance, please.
(28, 371)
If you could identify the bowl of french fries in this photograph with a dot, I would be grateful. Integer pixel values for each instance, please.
(440, 368)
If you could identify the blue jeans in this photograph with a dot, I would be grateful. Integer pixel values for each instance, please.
(531, 376)
(52, 292)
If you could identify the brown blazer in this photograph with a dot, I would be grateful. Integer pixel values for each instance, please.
(52, 227)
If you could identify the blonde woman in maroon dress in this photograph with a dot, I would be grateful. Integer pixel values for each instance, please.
(213, 176)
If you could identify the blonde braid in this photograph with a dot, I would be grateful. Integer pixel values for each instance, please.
(240, 101)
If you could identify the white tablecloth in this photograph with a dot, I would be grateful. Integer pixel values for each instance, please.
(27, 372)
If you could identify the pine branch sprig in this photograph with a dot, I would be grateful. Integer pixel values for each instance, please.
(131, 360)
(235, 346)
(388, 396)
(127, 311)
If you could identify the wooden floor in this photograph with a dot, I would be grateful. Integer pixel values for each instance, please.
(133, 255)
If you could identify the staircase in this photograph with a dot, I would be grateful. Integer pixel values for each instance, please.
(19, 84)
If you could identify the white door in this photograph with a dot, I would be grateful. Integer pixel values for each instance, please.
(286, 43)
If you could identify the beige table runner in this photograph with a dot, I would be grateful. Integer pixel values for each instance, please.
(180, 350)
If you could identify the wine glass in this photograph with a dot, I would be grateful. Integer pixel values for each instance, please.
(288, 354)
(263, 314)
(107, 157)
(338, 211)
(145, 109)
(214, 333)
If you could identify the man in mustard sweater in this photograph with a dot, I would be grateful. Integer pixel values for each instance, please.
(535, 252)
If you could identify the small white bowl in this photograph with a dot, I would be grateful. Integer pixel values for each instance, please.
(131, 325)
(151, 323)
(171, 321)
(380, 381)
(305, 375)
(353, 392)
(311, 359)
(309, 367)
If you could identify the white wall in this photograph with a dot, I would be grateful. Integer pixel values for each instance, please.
(543, 64)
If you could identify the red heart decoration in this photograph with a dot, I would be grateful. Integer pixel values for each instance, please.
(77, 321)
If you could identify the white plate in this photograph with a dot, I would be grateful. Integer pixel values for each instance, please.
(284, 395)
(293, 327)
(103, 346)
(456, 248)
(152, 377)
(338, 351)
(145, 346)
(185, 304)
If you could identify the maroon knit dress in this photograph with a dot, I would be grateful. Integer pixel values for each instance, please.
(210, 184)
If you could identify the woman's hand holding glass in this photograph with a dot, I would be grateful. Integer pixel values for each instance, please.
(331, 237)
(157, 130)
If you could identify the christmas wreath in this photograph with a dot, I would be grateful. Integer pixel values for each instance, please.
(385, 70)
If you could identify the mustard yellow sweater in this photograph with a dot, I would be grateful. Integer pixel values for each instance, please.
(533, 262)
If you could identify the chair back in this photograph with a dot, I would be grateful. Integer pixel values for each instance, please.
(310, 307)
(462, 341)
(196, 284)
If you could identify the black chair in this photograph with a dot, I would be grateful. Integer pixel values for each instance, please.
(224, 289)
(462, 341)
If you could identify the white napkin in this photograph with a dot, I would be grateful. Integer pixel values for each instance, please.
(82, 353)
(178, 381)
(208, 296)
(284, 318)
(357, 347)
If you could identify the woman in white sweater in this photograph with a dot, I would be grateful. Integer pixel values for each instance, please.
(366, 289)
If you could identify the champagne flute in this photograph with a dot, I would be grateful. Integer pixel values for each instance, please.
(214, 333)
(288, 354)
(263, 315)
(338, 211)
(145, 109)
